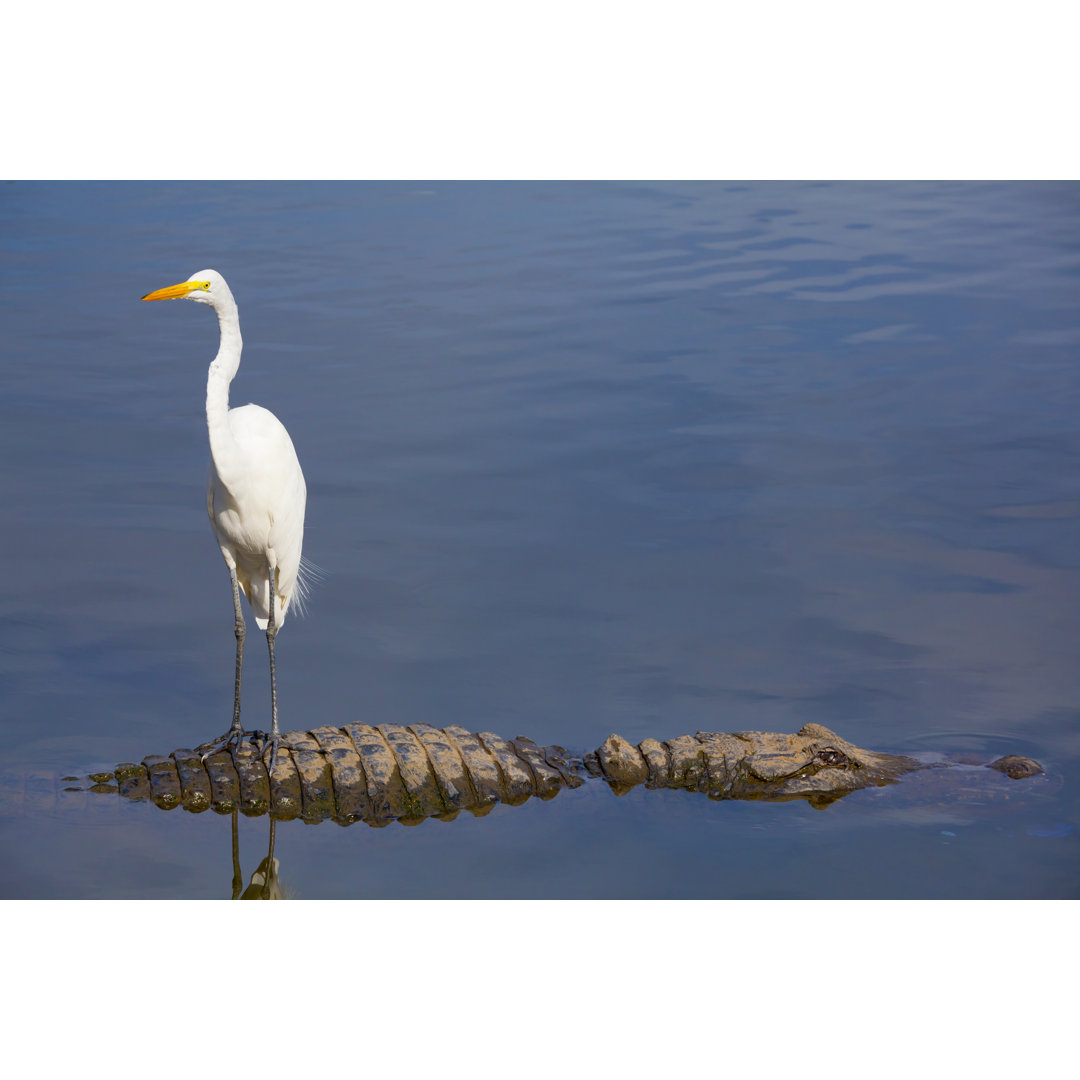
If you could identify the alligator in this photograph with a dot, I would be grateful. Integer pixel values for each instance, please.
(384, 773)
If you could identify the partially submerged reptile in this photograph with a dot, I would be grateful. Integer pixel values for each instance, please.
(386, 773)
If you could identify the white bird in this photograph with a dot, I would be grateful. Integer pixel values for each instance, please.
(256, 498)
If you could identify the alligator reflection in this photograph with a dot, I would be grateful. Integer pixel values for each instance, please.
(408, 774)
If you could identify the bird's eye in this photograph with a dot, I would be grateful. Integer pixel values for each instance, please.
(829, 756)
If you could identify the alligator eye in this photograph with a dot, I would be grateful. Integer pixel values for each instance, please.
(829, 756)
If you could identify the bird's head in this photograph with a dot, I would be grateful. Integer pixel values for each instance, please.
(204, 287)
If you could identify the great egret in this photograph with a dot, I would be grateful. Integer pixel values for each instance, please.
(256, 498)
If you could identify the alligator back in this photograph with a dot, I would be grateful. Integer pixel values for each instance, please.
(387, 772)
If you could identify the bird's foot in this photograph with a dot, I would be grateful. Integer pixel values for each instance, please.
(233, 739)
(272, 742)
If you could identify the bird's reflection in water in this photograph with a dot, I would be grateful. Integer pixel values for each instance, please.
(265, 883)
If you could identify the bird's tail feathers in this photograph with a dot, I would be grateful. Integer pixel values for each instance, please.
(307, 577)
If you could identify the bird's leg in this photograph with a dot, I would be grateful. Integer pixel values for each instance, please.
(241, 631)
(271, 634)
(235, 735)
(273, 741)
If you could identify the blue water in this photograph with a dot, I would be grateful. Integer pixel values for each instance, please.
(581, 458)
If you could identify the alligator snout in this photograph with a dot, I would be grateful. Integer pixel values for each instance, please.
(1016, 767)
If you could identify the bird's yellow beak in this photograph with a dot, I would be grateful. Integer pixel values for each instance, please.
(175, 292)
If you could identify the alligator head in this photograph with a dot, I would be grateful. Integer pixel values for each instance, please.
(815, 764)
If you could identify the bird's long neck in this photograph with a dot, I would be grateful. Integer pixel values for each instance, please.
(223, 448)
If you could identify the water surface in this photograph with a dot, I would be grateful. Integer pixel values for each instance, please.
(581, 458)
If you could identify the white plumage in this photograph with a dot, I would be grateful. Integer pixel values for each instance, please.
(256, 496)
(257, 509)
